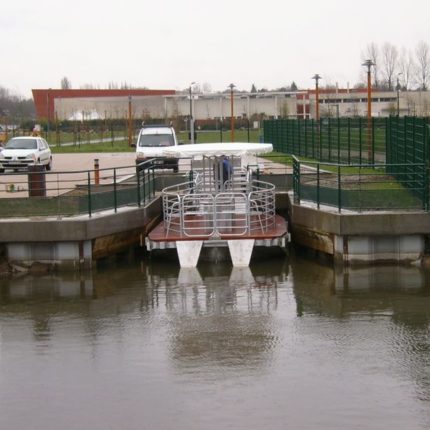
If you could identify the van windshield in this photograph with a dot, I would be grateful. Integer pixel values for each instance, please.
(156, 140)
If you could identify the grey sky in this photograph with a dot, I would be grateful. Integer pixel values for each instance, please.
(170, 43)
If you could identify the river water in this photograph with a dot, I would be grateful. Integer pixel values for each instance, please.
(290, 343)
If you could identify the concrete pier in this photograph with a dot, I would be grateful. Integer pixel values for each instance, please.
(354, 237)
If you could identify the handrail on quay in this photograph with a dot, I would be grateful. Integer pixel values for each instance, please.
(357, 187)
(37, 192)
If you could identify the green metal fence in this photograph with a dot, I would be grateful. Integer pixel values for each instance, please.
(361, 187)
(408, 140)
(395, 148)
(336, 140)
(70, 193)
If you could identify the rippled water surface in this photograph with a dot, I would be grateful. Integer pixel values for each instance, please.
(287, 344)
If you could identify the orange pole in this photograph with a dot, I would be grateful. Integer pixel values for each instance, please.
(317, 77)
(369, 64)
(96, 171)
(129, 122)
(369, 115)
(317, 101)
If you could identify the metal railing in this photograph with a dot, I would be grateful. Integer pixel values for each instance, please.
(78, 192)
(191, 213)
(361, 188)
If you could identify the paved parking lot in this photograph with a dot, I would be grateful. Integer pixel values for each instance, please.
(85, 161)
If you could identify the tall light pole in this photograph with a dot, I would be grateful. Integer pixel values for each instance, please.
(231, 86)
(369, 64)
(191, 114)
(129, 121)
(317, 77)
(48, 102)
(398, 94)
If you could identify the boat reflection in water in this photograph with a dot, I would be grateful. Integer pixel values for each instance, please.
(221, 316)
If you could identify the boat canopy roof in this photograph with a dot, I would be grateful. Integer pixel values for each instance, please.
(198, 150)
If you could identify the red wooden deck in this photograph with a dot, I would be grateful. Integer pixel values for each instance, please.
(202, 232)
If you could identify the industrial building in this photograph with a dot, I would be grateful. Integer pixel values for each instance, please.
(85, 104)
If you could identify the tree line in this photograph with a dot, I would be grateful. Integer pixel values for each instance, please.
(408, 68)
(15, 108)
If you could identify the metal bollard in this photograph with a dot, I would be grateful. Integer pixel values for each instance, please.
(96, 172)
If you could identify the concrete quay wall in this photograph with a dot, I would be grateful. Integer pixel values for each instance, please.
(75, 242)
(354, 238)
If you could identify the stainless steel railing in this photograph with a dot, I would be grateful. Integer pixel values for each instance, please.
(247, 206)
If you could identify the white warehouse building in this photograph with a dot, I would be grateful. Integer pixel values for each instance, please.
(212, 106)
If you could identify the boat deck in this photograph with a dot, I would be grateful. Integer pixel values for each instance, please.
(228, 231)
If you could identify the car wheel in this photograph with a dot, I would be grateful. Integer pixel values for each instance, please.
(48, 167)
(1, 170)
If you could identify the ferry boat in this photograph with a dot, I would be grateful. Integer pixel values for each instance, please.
(222, 204)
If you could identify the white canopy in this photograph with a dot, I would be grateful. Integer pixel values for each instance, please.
(198, 150)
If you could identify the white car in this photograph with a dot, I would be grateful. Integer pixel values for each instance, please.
(151, 142)
(21, 152)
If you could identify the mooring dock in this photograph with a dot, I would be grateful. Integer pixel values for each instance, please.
(222, 205)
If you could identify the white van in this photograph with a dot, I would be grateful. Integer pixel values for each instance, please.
(150, 143)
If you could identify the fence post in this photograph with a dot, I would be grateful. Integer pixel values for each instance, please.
(426, 188)
(138, 169)
(349, 139)
(338, 139)
(318, 185)
(115, 200)
(339, 190)
(360, 143)
(296, 180)
(299, 137)
(306, 136)
(313, 138)
(372, 161)
(89, 193)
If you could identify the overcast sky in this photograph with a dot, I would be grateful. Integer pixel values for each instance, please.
(166, 44)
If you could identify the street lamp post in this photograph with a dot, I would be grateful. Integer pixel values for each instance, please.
(231, 86)
(398, 94)
(317, 77)
(129, 122)
(191, 114)
(48, 107)
(369, 64)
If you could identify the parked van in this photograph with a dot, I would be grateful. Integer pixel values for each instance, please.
(150, 142)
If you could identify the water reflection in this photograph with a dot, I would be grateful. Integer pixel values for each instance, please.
(157, 343)
(340, 292)
(389, 310)
(221, 319)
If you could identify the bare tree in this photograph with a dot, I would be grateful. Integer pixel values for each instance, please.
(207, 88)
(389, 58)
(65, 83)
(423, 64)
(88, 87)
(372, 53)
(406, 68)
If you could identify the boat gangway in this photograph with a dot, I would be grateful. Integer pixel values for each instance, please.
(222, 205)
